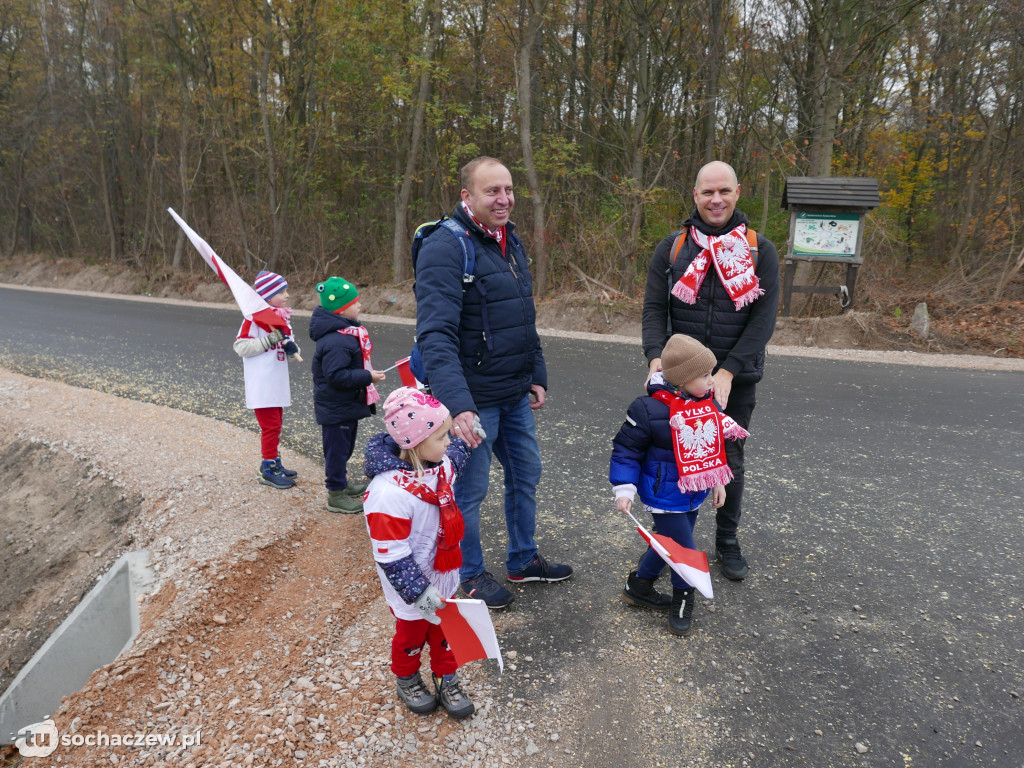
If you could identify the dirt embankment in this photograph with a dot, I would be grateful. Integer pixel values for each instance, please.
(266, 631)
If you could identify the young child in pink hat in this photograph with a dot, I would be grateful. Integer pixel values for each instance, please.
(415, 528)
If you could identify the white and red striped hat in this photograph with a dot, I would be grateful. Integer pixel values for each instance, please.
(269, 283)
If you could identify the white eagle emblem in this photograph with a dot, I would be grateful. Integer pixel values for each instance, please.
(697, 441)
(733, 255)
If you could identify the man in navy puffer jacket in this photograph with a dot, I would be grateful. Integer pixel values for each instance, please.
(483, 357)
(734, 320)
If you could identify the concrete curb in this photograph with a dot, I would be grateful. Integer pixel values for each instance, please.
(102, 626)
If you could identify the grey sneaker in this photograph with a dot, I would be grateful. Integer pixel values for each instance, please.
(414, 693)
(340, 501)
(451, 696)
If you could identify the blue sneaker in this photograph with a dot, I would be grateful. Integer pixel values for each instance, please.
(271, 475)
(540, 569)
(285, 472)
(484, 587)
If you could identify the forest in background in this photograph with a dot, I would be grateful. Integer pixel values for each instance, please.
(310, 137)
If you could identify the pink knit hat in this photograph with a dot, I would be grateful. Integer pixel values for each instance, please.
(412, 416)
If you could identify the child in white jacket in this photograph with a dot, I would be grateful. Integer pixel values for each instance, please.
(265, 352)
(415, 528)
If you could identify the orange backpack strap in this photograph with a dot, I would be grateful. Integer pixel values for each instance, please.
(677, 245)
(752, 242)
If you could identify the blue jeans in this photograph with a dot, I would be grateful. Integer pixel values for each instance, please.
(678, 526)
(512, 437)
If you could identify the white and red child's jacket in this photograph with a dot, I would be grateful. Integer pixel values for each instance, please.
(403, 528)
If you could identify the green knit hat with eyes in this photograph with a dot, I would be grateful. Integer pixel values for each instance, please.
(336, 294)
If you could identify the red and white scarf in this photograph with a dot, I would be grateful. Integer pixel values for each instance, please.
(730, 254)
(451, 527)
(497, 234)
(699, 432)
(366, 347)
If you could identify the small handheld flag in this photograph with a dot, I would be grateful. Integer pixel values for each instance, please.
(468, 629)
(405, 373)
(691, 564)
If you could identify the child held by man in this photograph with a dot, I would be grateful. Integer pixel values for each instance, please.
(670, 452)
(265, 352)
(343, 386)
(415, 528)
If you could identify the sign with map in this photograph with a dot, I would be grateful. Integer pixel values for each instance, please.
(826, 234)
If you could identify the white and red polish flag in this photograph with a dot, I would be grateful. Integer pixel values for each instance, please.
(253, 306)
(691, 564)
(405, 374)
(469, 631)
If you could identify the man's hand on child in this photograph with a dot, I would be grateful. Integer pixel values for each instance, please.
(722, 384)
(428, 604)
(462, 426)
(378, 376)
(718, 496)
(653, 368)
(624, 504)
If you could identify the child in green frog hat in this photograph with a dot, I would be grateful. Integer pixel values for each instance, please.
(343, 386)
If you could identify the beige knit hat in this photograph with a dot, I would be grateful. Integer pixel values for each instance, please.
(684, 359)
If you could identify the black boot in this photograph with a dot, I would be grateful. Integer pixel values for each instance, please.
(641, 592)
(681, 612)
(734, 565)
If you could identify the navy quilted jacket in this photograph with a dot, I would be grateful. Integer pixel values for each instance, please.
(738, 337)
(339, 378)
(642, 454)
(467, 371)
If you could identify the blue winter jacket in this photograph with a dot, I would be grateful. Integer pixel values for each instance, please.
(738, 337)
(642, 454)
(339, 378)
(466, 370)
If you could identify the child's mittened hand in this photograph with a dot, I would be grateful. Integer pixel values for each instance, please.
(378, 376)
(478, 428)
(291, 348)
(428, 603)
(624, 504)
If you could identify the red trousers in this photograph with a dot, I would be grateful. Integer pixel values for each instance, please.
(410, 637)
(270, 430)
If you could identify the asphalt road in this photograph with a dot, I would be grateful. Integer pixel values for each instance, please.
(882, 525)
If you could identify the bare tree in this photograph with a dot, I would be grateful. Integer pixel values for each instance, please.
(400, 264)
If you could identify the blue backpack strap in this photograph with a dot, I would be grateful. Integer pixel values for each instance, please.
(468, 267)
(468, 251)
